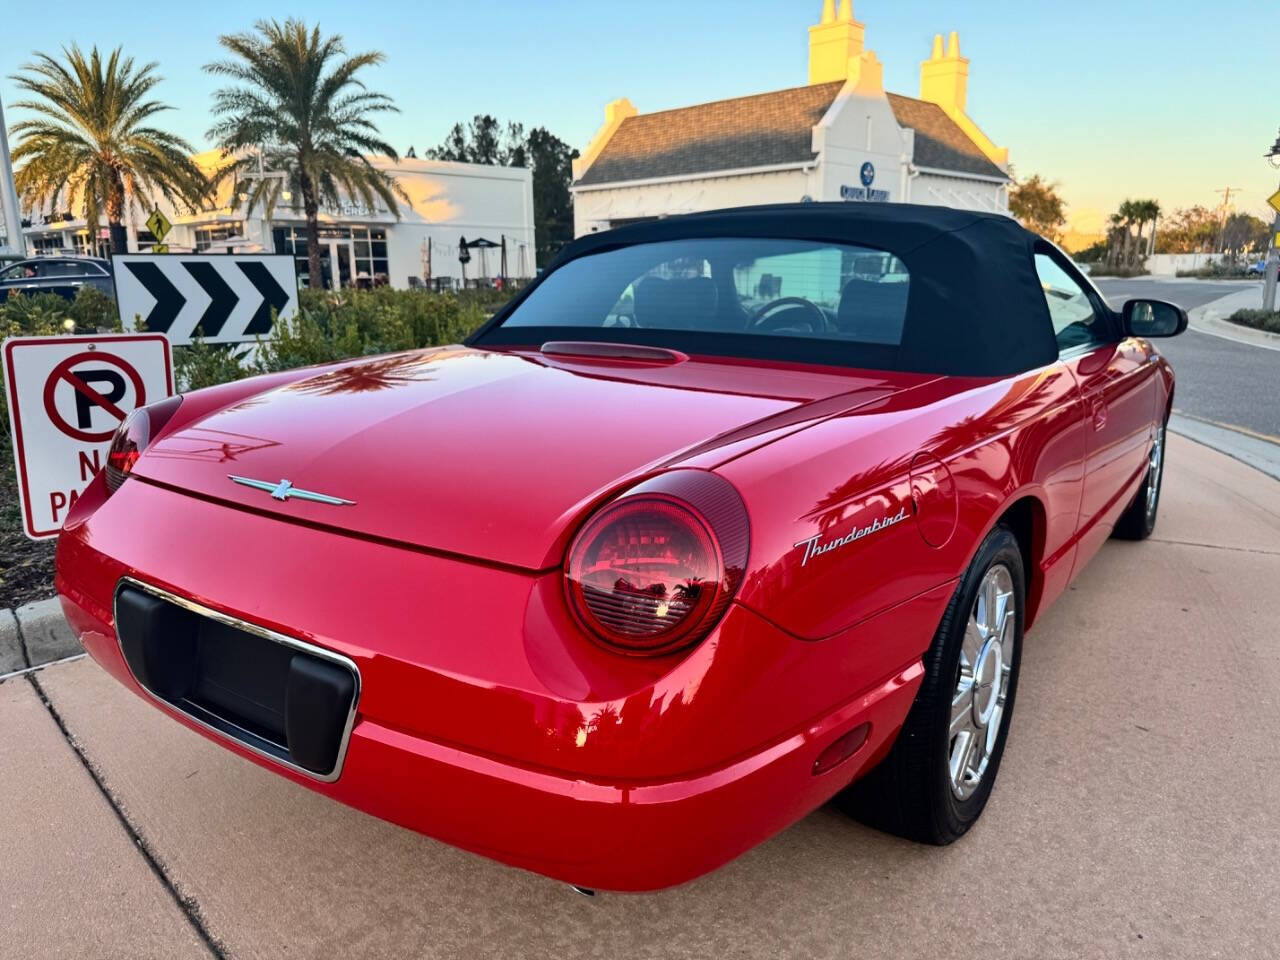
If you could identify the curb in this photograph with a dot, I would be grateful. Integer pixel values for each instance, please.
(35, 634)
(12, 658)
(1249, 448)
(1211, 317)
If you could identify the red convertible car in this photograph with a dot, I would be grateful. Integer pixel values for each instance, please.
(724, 515)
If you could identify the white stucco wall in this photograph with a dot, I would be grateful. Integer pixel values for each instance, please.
(446, 201)
(1168, 264)
(959, 192)
(860, 128)
(596, 209)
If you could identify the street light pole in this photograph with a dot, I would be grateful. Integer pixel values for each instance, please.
(1273, 252)
(1272, 266)
(261, 176)
(10, 214)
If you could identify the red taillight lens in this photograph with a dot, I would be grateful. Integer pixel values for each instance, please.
(132, 437)
(653, 571)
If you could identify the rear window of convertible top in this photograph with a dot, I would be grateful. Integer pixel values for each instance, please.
(792, 299)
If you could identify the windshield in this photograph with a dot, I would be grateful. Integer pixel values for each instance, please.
(720, 295)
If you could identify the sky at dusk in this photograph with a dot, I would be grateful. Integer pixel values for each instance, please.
(1110, 99)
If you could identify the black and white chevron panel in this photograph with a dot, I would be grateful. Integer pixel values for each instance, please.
(222, 298)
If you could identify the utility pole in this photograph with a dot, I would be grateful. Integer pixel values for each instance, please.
(1226, 212)
(10, 213)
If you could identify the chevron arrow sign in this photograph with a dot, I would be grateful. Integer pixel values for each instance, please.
(221, 298)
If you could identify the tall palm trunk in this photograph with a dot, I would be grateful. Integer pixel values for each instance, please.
(115, 215)
(315, 276)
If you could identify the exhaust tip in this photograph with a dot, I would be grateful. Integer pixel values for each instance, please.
(585, 891)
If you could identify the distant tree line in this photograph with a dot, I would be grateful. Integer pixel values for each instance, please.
(1035, 204)
(486, 140)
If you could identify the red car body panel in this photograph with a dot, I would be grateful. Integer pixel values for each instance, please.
(486, 717)
(512, 442)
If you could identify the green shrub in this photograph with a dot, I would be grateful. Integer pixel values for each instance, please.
(95, 312)
(38, 315)
(47, 314)
(329, 326)
(1258, 319)
(1219, 269)
(205, 364)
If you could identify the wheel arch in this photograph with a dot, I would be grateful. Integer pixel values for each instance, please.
(1025, 518)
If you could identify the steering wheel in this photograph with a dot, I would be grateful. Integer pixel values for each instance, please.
(760, 319)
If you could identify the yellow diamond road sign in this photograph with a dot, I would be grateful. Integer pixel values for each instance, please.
(160, 226)
(1274, 201)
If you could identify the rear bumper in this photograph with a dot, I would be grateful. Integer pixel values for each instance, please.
(530, 808)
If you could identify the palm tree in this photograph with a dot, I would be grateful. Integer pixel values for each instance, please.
(1151, 213)
(299, 108)
(90, 142)
(1143, 212)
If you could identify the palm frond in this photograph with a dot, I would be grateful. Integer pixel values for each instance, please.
(299, 97)
(90, 136)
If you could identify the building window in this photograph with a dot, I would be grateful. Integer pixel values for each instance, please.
(357, 248)
(50, 243)
(369, 245)
(207, 237)
(84, 244)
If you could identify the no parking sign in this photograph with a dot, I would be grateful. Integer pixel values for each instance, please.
(66, 397)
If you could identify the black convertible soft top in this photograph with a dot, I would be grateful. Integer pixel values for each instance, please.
(975, 305)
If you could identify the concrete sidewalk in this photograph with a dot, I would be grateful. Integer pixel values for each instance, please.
(1135, 815)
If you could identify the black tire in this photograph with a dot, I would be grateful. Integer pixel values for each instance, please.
(910, 792)
(1139, 520)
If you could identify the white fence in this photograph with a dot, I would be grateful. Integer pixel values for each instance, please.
(1168, 264)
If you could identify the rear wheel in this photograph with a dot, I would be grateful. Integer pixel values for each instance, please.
(1139, 520)
(936, 779)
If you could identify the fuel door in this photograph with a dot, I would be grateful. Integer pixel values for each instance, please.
(933, 499)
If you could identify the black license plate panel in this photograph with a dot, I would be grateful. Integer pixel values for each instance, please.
(280, 697)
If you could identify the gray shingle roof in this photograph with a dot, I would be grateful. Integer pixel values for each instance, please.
(763, 130)
(940, 143)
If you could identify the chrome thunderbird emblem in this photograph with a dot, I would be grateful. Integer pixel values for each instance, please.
(285, 490)
(814, 545)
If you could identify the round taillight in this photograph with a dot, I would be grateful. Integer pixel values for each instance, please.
(130, 440)
(132, 437)
(654, 570)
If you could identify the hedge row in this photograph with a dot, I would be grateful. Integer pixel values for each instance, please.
(1267, 320)
(329, 326)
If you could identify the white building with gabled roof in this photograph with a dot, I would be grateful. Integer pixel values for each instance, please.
(839, 137)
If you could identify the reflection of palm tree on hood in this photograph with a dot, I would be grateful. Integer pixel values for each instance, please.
(370, 375)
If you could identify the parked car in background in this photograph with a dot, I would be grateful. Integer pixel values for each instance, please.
(61, 275)
(723, 515)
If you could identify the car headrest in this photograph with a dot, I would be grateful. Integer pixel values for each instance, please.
(686, 303)
(872, 311)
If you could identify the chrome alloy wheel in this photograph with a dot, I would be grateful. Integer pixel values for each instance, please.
(1154, 466)
(986, 661)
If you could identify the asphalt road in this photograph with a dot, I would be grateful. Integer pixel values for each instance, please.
(1219, 380)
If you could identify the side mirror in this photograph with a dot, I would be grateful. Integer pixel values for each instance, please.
(1153, 318)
